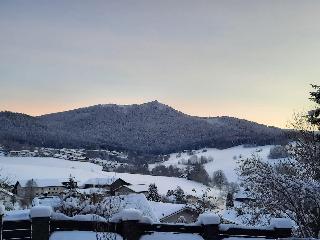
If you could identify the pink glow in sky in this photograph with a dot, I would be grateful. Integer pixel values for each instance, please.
(248, 59)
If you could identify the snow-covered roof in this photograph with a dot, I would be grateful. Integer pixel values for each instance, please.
(138, 188)
(50, 182)
(162, 210)
(101, 181)
(139, 202)
(91, 190)
(243, 194)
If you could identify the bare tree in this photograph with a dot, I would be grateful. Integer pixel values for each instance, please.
(291, 187)
(29, 193)
(219, 179)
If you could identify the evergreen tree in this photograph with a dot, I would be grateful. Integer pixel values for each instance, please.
(153, 194)
(179, 195)
(229, 200)
(71, 184)
(314, 115)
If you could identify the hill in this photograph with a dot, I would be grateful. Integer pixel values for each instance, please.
(148, 128)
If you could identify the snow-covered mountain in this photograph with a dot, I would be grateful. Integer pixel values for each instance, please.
(149, 128)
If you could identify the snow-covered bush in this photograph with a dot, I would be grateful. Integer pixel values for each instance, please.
(208, 219)
(194, 159)
(176, 196)
(205, 202)
(181, 219)
(75, 203)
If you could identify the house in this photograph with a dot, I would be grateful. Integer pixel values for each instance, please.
(110, 184)
(174, 213)
(132, 188)
(48, 187)
(244, 196)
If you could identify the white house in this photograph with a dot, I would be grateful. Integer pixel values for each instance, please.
(40, 187)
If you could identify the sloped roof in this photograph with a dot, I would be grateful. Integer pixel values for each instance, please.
(162, 210)
(101, 181)
(50, 182)
(243, 194)
(138, 188)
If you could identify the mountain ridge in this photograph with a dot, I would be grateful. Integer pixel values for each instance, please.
(150, 127)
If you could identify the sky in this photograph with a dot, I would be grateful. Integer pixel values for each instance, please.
(243, 58)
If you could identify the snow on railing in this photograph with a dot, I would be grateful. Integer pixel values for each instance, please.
(131, 225)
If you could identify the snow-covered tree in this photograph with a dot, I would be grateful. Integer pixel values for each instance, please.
(229, 200)
(181, 219)
(75, 203)
(29, 193)
(278, 152)
(176, 196)
(291, 187)
(314, 115)
(198, 173)
(153, 194)
(71, 184)
(179, 195)
(219, 179)
(205, 203)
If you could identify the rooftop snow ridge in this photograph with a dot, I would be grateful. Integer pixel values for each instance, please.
(101, 181)
(43, 182)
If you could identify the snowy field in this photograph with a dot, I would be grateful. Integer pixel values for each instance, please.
(225, 159)
(19, 168)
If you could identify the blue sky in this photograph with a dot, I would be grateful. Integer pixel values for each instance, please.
(248, 59)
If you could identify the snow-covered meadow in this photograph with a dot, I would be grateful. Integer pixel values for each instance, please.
(18, 168)
(223, 159)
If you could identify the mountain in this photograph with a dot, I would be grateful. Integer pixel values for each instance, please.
(150, 128)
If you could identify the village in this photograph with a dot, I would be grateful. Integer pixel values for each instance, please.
(174, 208)
(109, 162)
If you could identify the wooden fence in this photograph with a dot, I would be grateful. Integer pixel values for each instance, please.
(40, 228)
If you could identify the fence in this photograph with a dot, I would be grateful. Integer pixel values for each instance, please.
(41, 225)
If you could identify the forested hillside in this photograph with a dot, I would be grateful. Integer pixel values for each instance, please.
(150, 128)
